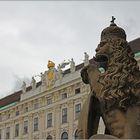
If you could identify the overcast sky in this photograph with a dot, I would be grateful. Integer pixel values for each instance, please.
(31, 33)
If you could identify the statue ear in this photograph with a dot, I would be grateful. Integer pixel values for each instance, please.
(84, 75)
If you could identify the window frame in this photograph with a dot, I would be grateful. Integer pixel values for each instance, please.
(64, 115)
(8, 132)
(64, 95)
(49, 137)
(49, 100)
(0, 134)
(63, 136)
(26, 109)
(77, 90)
(49, 119)
(77, 110)
(17, 130)
(25, 127)
(17, 113)
(36, 124)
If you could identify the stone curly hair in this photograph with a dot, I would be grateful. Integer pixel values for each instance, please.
(121, 81)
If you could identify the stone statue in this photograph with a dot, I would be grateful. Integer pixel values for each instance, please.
(43, 79)
(72, 65)
(23, 87)
(113, 19)
(33, 83)
(59, 72)
(64, 64)
(86, 60)
(90, 114)
(115, 94)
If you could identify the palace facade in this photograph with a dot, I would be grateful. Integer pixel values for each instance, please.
(49, 109)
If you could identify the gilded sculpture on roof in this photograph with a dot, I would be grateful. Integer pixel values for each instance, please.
(115, 94)
(51, 74)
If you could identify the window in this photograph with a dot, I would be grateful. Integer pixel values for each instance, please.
(36, 105)
(64, 136)
(26, 109)
(8, 133)
(0, 133)
(64, 115)
(77, 91)
(0, 117)
(76, 134)
(77, 110)
(64, 95)
(36, 124)
(49, 101)
(8, 116)
(25, 130)
(16, 130)
(17, 113)
(49, 120)
(49, 137)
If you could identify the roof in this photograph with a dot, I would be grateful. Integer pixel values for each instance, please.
(134, 44)
(10, 98)
(15, 97)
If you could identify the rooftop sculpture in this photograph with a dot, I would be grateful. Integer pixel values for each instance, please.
(115, 94)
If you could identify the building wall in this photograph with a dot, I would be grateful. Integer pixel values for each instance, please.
(38, 107)
(41, 101)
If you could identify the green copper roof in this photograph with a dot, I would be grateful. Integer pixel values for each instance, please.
(7, 106)
(137, 55)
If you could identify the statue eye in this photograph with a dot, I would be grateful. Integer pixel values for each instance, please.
(102, 43)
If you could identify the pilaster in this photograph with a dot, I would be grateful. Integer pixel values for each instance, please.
(41, 123)
(12, 130)
(71, 118)
(20, 128)
(57, 121)
(30, 126)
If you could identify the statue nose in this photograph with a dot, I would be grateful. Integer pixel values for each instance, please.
(97, 49)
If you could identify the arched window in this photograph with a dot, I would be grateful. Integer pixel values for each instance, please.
(49, 137)
(64, 136)
(76, 134)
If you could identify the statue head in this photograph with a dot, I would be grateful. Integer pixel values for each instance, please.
(110, 36)
(113, 31)
(120, 79)
(51, 64)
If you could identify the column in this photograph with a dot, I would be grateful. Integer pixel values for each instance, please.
(3, 129)
(57, 121)
(12, 130)
(70, 118)
(30, 121)
(20, 128)
(41, 123)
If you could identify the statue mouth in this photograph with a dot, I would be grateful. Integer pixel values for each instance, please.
(101, 60)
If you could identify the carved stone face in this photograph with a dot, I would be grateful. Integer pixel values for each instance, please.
(103, 52)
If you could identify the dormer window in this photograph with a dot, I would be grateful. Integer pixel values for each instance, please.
(49, 101)
(64, 95)
(77, 91)
(17, 113)
(26, 109)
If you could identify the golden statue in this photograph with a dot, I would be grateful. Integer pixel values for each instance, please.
(51, 64)
(51, 73)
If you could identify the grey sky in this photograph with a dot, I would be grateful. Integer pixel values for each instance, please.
(33, 32)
